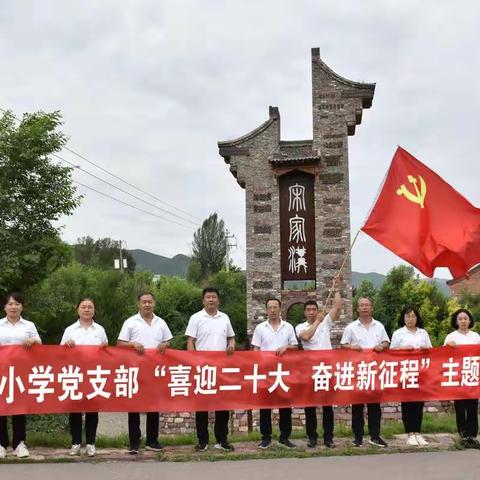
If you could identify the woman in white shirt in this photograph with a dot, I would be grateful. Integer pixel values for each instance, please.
(466, 411)
(411, 336)
(15, 330)
(85, 331)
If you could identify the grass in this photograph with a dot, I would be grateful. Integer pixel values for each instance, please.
(278, 452)
(439, 423)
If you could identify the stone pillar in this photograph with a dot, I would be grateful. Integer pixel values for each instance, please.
(260, 157)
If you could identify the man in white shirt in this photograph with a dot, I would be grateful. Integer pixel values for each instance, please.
(275, 335)
(144, 330)
(314, 334)
(366, 332)
(211, 330)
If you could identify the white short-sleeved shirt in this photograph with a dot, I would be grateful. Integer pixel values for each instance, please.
(16, 334)
(471, 338)
(320, 339)
(136, 329)
(356, 333)
(403, 337)
(210, 331)
(268, 339)
(93, 335)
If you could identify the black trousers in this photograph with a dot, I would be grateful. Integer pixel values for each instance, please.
(412, 416)
(374, 416)
(466, 412)
(91, 422)
(220, 427)
(134, 433)
(311, 423)
(285, 423)
(19, 425)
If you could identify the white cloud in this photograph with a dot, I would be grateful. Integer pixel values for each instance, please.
(147, 88)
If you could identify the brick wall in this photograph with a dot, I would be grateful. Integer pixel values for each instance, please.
(180, 423)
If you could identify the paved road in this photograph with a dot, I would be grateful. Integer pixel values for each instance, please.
(461, 465)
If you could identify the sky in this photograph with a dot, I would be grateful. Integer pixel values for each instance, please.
(147, 88)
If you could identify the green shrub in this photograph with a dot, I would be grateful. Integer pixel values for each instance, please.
(57, 423)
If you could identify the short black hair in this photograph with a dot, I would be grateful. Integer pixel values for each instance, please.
(145, 292)
(407, 309)
(453, 320)
(210, 290)
(310, 302)
(275, 299)
(17, 296)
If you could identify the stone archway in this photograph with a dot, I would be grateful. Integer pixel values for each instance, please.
(290, 298)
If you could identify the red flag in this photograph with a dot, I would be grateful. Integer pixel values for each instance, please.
(422, 219)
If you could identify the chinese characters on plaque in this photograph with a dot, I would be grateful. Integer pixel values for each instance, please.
(297, 234)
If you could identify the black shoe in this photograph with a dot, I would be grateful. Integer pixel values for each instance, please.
(378, 442)
(201, 447)
(133, 449)
(285, 442)
(264, 444)
(312, 443)
(154, 446)
(470, 442)
(329, 443)
(224, 446)
(357, 442)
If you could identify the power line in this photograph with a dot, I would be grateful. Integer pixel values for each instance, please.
(130, 184)
(122, 190)
(78, 167)
(130, 205)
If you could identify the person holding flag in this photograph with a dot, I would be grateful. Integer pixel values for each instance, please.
(314, 334)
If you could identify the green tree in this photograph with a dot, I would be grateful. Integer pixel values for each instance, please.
(471, 301)
(51, 303)
(194, 273)
(232, 286)
(101, 253)
(34, 194)
(209, 249)
(295, 314)
(366, 289)
(177, 299)
(389, 301)
(431, 303)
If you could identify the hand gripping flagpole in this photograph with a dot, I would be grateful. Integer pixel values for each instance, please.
(336, 278)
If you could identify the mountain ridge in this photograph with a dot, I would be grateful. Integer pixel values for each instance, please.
(178, 266)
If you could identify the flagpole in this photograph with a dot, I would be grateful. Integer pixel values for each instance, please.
(336, 278)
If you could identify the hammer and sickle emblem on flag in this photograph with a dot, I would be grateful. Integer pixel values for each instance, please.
(419, 195)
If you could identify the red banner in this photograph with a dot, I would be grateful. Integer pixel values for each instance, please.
(54, 379)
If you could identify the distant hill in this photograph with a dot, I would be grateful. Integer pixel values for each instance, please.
(175, 266)
(377, 279)
(178, 266)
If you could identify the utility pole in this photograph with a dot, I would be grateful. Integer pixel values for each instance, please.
(121, 259)
(120, 263)
(228, 245)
